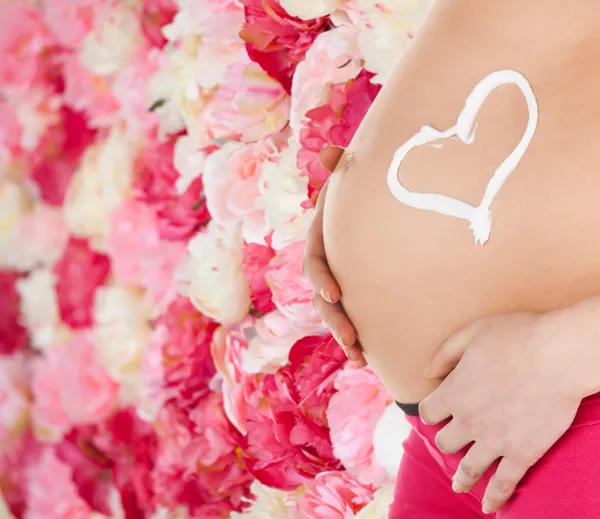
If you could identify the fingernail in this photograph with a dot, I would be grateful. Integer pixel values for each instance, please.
(457, 486)
(487, 508)
(325, 295)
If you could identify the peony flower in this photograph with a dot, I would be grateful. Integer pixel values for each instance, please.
(352, 415)
(266, 502)
(15, 202)
(100, 185)
(385, 29)
(231, 177)
(256, 264)
(79, 273)
(39, 309)
(13, 336)
(283, 192)
(23, 40)
(292, 292)
(379, 507)
(10, 134)
(189, 161)
(333, 495)
(333, 58)
(391, 430)
(276, 40)
(121, 332)
(288, 438)
(51, 493)
(70, 388)
(139, 256)
(212, 274)
(70, 21)
(312, 9)
(4, 510)
(334, 123)
(155, 16)
(14, 401)
(178, 215)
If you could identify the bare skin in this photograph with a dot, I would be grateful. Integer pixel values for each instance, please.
(411, 280)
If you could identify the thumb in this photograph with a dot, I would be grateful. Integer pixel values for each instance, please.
(450, 352)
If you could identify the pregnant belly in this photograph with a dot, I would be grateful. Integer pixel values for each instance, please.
(409, 277)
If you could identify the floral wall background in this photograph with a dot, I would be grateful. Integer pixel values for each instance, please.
(159, 353)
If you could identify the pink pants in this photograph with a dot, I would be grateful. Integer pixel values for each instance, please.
(564, 484)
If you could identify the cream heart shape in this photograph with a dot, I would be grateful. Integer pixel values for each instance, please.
(479, 216)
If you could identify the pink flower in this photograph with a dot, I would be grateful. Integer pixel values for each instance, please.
(57, 156)
(276, 40)
(70, 388)
(333, 495)
(178, 216)
(183, 336)
(86, 92)
(352, 415)
(334, 123)
(288, 437)
(292, 292)
(10, 133)
(138, 254)
(71, 20)
(51, 492)
(231, 177)
(13, 336)
(14, 401)
(23, 41)
(155, 15)
(256, 265)
(79, 273)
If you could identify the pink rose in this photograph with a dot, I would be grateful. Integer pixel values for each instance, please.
(179, 216)
(292, 292)
(156, 14)
(333, 495)
(255, 265)
(334, 123)
(14, 400)
(79, 272)
(138, 254)
(51, 492)
(288, 437)
(70, 388)
(231, 177)
(353, 414)
(71, 20)
(13, 336)
(276, 40)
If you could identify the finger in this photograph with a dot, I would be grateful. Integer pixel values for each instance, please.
(330, 156)
(451, 351)
(472, 467)
(452, 437)
(502, 484)
(432, 410)
(315, 265)
(341, 328)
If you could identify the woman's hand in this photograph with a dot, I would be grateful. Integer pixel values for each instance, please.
(515, 383)
(327, 292)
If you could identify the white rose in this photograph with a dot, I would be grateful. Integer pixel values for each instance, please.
(188, 161)
(122, 330)
(269, 502)
(39, 309)
(283, 190)
(392, 429)
(100, 185)
(386, 28)
(309, 9)
(212, 274)
(116, 37)
(379, 507)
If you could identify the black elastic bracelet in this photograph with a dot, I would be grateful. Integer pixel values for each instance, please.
(409, 409)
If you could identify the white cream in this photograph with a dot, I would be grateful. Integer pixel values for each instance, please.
(480, 217)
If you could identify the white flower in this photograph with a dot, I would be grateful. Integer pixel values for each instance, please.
(386, 28)
(283, 190)
(392, 429)
(379, 507)
(188, 161)
(187, 21)
(309, 9)
(269, 503)
(117, 36)
(15, 202)
(100, 185)
(121, 331)
(212, 274)
(39, 309)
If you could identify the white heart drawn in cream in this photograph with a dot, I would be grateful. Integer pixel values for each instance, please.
(480, 216)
